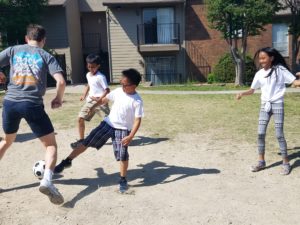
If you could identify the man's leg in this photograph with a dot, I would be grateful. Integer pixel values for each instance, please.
(6, 142)
(46, 186)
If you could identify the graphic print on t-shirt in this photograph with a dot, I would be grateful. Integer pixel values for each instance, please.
(26, 68)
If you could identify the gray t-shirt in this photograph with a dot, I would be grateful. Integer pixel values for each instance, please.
(29, 66)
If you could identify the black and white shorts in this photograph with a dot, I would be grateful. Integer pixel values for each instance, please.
(100, 135)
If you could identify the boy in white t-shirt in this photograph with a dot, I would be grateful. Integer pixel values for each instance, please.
(271, 79)
(97, 87)
(121, 125)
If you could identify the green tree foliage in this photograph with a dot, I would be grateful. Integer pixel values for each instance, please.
(238, 19)
(15, 15)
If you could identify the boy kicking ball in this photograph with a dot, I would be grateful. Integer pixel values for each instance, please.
(120, 125)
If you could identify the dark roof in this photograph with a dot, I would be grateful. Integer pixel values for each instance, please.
(138, 2)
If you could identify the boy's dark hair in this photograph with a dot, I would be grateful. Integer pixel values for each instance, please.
(93, 58)
(36, 32)
(133, 76)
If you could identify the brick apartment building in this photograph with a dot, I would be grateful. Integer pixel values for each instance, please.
(205, 46)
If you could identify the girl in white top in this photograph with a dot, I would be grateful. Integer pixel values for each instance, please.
(271, 78)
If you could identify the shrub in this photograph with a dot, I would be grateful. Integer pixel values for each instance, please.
(211, 78)
(225, 69)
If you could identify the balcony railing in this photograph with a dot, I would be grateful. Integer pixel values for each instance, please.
(152, 34)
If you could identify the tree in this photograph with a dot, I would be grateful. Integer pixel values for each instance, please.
(237, 20)
(15, 15)
(294, 28)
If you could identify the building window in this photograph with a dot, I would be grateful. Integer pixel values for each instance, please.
(159, 27)
(161, 70)
(280, 38)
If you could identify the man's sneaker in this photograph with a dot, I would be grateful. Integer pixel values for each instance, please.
(259, 166)
(76, 143)
(47, 188)
(63, 165)
(123, 186)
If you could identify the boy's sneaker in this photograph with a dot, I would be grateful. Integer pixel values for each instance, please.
(123, 186)
(286, 169)
(76, 143)
(259, 166)
(63, 165)
(47, 188)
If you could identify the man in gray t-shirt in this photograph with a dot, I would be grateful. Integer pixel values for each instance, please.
(29, 66)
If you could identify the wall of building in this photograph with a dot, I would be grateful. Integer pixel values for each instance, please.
(123, 41)
(209, 42)
(75, 41)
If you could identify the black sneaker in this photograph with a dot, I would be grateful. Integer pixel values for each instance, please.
(123, 185)
(76, 144)
(63, 165)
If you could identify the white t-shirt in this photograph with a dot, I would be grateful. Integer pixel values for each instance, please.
(124, 110)
(272, 87)
(97, 84)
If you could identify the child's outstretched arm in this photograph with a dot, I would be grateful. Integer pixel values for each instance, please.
(249, 92)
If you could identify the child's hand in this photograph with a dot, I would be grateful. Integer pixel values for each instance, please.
(238, 96)
(126, 140)
(82, 98)
(94, 98)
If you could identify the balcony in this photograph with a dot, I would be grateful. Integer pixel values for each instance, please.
(158, 37)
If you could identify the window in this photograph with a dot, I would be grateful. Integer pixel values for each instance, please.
(158, 25)
(161, 70)
(280, 38)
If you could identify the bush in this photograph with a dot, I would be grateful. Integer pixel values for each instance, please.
(225, 69)
(211, 78)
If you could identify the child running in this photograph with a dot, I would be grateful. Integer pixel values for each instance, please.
(96, 87)
(120, 125)
(271, 78)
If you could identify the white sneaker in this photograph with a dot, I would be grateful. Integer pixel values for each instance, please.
(47, 188)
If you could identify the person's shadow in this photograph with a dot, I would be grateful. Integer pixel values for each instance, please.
(141, 141)
(295, 155)
(152, 173)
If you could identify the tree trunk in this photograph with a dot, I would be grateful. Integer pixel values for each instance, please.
(239, 66)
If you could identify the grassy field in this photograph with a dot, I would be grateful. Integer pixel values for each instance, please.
(172, 115)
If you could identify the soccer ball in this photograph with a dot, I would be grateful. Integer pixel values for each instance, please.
(39, 169)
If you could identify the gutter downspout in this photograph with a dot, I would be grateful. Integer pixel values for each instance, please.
(109, 44)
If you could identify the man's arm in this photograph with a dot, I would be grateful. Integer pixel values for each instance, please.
(60, 90)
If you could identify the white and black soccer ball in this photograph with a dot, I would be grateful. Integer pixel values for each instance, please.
(39, 169)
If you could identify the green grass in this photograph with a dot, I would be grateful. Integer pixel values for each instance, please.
(190, 87)
(168, 116)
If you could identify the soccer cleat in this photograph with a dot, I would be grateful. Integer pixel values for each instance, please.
(63, 165)
(123, 186)
(47, 188)
(76, 144)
